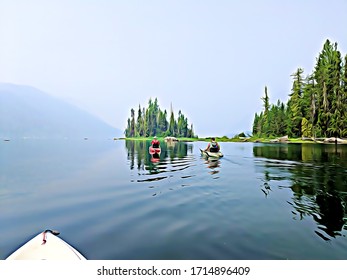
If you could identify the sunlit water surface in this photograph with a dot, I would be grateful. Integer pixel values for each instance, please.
(113, 200)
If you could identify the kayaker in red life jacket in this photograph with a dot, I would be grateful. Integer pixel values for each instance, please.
(155, 142)
(213, 146)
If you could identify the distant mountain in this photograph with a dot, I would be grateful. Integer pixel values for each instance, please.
(28, 112)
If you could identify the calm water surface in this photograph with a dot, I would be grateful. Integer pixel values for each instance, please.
(113, 200)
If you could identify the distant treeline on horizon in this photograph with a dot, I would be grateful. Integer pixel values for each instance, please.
(152, 121)
(317, 104)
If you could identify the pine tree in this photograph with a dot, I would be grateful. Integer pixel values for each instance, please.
(265, 118)
(172, 128)
(336, 122)
(127, 130)
(309, 105)
(132, 123)
(327, 75)
(140, 130)
(295, 104)
(344, 99)
(255, 129)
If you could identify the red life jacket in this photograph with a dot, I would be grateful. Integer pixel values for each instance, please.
(155, 143)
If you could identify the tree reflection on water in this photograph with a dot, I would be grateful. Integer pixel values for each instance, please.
(174, 156)
(317, 177)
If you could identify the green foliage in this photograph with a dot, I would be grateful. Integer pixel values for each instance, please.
(306, 128)
(152, 121)
(295, 113)
(271, 121)
(317, 104)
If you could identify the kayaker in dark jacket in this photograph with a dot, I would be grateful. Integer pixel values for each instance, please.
(213, 146)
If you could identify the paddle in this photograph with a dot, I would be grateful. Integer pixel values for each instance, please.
(202, 151)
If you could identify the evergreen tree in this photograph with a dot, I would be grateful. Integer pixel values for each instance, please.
(132, 123)
(295, 112)
(336, 122)
(255, 129)
(327, 75)
(162, 123)
(265, 117)
(182, 125)
(281, 119)
(309, 106)
(344, 99)
(172, 124)
(127, 130)
(191, 132)
(140, 129)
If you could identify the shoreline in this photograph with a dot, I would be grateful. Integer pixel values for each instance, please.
(249, 140)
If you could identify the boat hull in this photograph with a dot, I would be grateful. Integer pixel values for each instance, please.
(46, 246)
(211, 154)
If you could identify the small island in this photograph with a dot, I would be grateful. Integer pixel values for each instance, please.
(152, 121)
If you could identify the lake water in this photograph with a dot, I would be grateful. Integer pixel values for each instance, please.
(112, 200)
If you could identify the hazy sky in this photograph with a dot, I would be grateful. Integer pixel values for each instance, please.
(211, 59)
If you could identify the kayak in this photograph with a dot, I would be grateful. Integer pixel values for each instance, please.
(154, 150)
(155, 160)
(211, 154)
(46, 246)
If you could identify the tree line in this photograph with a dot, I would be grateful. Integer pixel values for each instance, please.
(317, 104)
(152, 121)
